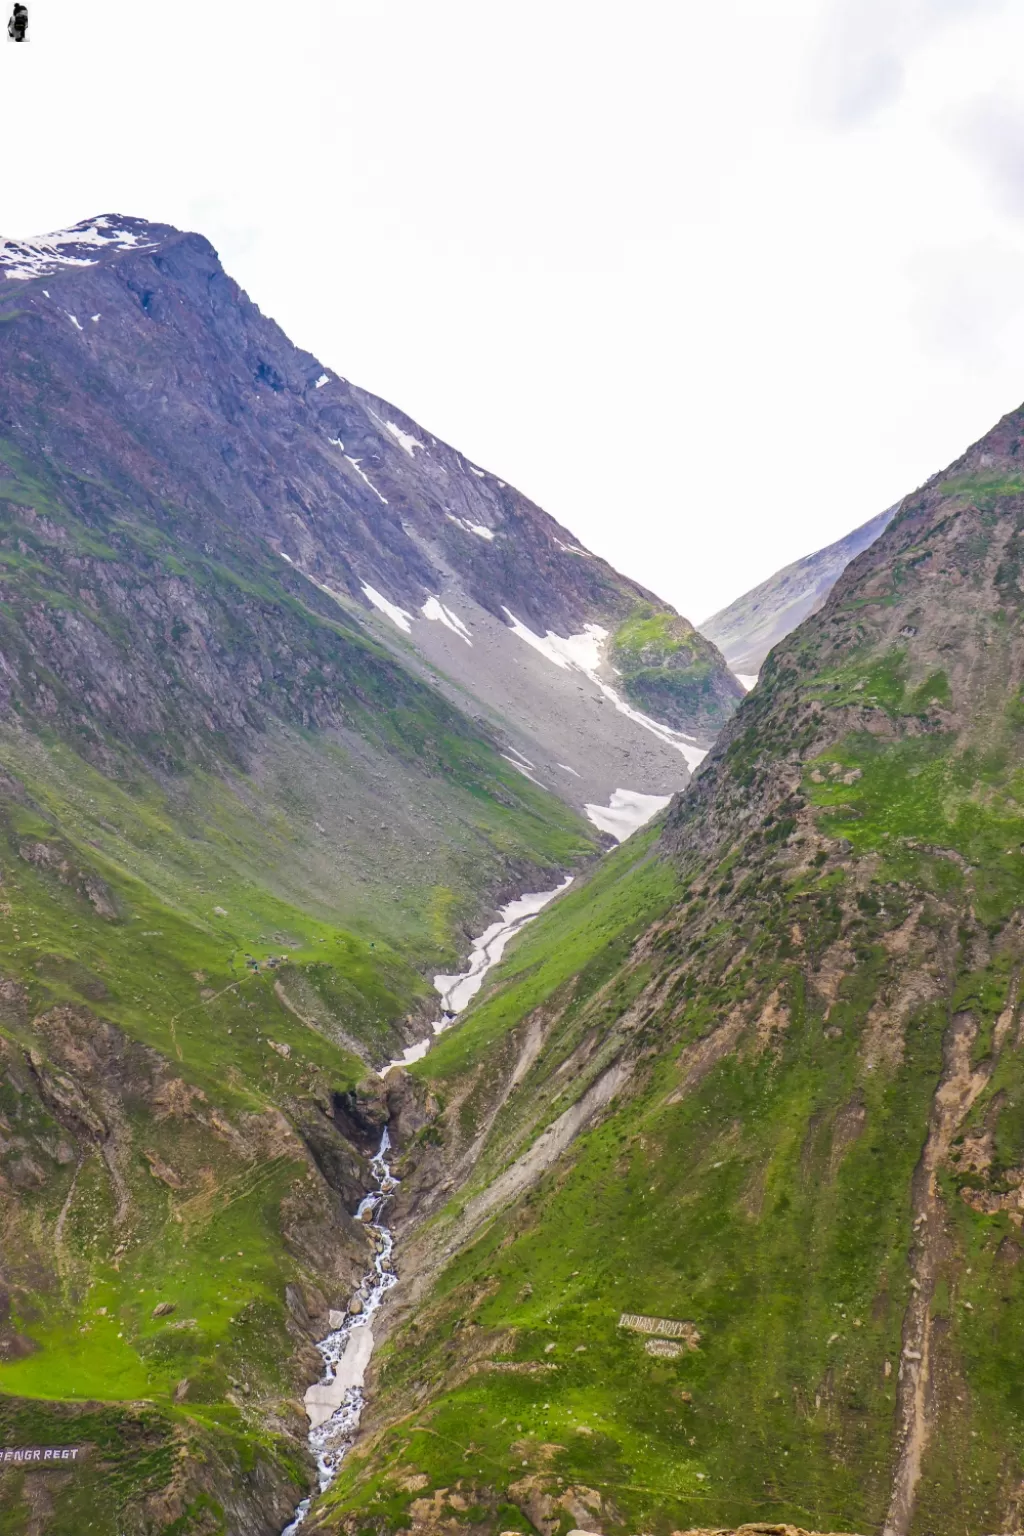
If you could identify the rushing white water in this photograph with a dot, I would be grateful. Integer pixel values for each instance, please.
(457, 992)
(335, 1403)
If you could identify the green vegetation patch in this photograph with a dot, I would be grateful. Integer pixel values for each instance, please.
(654, 632)
(131, 1458)
(671, 670)
(965, 807)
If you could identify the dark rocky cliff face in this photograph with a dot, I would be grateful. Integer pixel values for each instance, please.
(176, 384)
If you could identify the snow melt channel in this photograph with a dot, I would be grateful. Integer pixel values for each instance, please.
(457, 992)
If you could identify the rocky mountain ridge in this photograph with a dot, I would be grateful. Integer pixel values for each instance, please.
(747, 629)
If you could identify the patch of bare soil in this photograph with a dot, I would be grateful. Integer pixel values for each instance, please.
(548, 1147)
(698, 1059)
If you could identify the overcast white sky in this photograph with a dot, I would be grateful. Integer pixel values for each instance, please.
(712, 282)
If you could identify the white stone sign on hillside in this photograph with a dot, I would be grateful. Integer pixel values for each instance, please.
(662, 1327)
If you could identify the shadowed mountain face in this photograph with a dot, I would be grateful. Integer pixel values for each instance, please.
(292, 696)
(716, 1216)
(748, 628)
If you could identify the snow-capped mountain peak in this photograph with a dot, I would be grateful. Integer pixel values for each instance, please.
(80, 246)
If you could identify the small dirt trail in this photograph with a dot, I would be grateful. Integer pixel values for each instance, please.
(957, 1092)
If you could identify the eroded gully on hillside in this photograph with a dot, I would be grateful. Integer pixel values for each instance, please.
(335, 1402)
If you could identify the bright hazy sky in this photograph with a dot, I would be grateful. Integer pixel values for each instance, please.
(711, 280)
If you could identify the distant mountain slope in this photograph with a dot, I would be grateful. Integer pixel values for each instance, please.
(717, 1212)
(747, 629)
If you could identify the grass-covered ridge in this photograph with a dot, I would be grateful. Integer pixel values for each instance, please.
(667, 667)
(652, 631)
(815, 1149)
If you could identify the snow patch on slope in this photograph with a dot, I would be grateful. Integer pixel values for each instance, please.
(626, 812)
(24, 259)
(524, 771)
(433, 608)
(468, 527)
(395, 614)
(693, 754)
(521, 756)
(404, 439)
(582, 653)
(746, 679)
(364, 476)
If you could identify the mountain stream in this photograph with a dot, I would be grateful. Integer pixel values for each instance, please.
(335, 1403)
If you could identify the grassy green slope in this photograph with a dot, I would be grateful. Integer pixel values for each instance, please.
(719, 1209)
(817, 1156)
(219, 1192)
